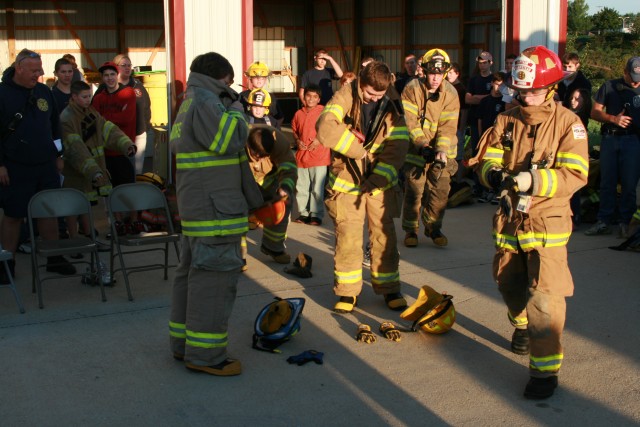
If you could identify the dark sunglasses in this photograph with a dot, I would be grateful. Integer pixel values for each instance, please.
(27, 54)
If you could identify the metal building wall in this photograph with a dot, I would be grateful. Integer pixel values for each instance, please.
(539, 23)
(214, 26)
(40, 26)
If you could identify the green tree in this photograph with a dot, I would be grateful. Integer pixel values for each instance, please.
(578, 20)
(607, 19)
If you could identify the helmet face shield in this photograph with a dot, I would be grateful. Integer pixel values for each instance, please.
(436, 66)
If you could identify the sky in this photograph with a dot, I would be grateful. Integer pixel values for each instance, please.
(622, 6)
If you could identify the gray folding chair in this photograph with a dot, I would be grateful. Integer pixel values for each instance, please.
(138, 197)
(5, 256)
(56, 203)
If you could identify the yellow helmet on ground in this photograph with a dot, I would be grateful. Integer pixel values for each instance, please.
(151, 178)
(436, 61)
(260, 98)
(258, 69)
(432, 312)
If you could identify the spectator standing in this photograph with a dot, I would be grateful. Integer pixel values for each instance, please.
(453, 77)
(86, 134)
(312, 158)
(368, 151)
(571, 63)
(117, 103)
(431, 109)
(143, 107)
(30, 140)
(478, 88)
(508, 93)
(491, 105)
(580, 103)
(78, 73)
(410, 72)
(616, 106)
(213, 198)
(535, 157)
(63, 70)
(321, 75)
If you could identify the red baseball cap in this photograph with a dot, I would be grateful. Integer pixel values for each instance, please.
(108, 65)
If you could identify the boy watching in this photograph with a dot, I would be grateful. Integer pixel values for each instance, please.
(83, 136)
(258, 103)
(312, 158)
(321, 76)
(491, 105)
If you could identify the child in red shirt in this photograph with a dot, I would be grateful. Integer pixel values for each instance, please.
(312, 158)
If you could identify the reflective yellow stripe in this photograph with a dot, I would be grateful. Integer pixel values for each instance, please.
(415, 159)
(546, 364)
(448, 115)
(274, 236)
(636, 215)
(505, 241)
(518, 321)
(334, 109)
(345, 141)
(348, 187)
(416, 133)
(548, 182)
(206, 340)
(378, 278)
(347, 277)
(177, 330)
(226, 227)
(410, 107)
(411, 225)
(386, 170)
(572, 161)
(204, 159)
(228, 124)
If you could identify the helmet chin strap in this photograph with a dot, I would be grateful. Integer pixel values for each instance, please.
(551, 93)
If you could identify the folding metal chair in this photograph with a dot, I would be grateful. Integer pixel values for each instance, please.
(138, 197)
(56, 203)
(5, 256)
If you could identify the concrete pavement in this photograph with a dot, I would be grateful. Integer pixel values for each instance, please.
(80, 361)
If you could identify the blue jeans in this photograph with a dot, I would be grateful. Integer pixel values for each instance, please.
(310, 191)
(619, 161)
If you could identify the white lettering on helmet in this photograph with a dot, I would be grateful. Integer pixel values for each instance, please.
(523, 73)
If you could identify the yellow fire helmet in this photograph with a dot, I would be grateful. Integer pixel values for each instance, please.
(258, 69)
(259, 97)
(151, 178)
(436, 61)
(432, 312)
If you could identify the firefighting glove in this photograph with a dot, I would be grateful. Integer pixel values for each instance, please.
(508, 185)
(495, 178)
(306, 356)
(101, 183)
(428, 153)
(365, 335)
(390, 331)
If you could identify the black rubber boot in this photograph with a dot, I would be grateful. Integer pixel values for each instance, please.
(541, 388)
(520, 342)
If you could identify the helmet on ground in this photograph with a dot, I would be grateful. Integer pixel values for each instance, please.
(270, 214)
(537, 68)
(151, 178)
(432, 312)
(258, 69)
(260, 98)
(436, 61)
(276, 323)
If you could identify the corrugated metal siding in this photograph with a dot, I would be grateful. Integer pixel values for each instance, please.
(31, 16)
(214, 26)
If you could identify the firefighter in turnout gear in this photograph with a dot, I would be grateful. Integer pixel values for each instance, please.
(535, 158)
(364, 126)
(215, 190)
(431, 108)
(274, 168)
